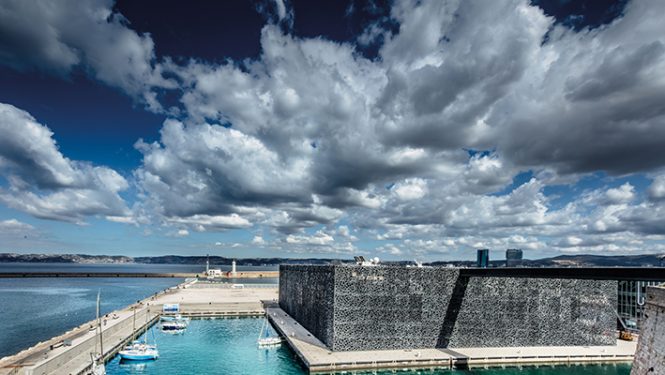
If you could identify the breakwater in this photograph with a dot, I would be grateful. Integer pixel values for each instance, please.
(182, 275)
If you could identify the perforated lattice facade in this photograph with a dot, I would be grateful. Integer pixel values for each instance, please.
(364, 308)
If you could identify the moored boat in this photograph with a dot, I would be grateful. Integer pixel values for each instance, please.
(139, 351)
(265, 337)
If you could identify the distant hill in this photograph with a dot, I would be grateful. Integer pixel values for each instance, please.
(63, 258)
(646, 260)
(217, 260)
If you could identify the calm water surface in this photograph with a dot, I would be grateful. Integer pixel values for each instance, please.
(34, 310)
(228, 346)
(129, 267)
(221, 346)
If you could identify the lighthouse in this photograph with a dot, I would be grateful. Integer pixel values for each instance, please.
(233, 267)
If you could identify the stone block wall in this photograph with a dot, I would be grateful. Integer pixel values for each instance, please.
(365, 308)
(650, 356)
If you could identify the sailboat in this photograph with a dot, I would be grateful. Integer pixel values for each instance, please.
(98, 367)
(265, 339)
(141, 350)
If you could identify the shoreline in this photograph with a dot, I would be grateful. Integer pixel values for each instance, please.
(182, 275)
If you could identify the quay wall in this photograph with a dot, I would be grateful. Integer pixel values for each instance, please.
(83, 348)
(650, 356)
(383, 307)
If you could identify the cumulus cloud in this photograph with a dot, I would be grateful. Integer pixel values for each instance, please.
(15, 227)
(593, 102)
(44, 183)
(656, 190)
(419, 146)
(80, 34)
(258, 240)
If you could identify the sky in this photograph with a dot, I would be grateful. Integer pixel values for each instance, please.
(280, 128)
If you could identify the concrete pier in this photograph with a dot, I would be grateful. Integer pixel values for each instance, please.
(70, 352)
(318, 358)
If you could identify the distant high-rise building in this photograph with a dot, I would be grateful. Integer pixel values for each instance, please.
(483, 258)
(514, 257)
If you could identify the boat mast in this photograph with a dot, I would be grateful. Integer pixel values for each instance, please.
(145, 338)
(134, 325)
(99, 324)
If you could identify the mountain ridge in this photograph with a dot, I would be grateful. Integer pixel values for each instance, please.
(581, 260)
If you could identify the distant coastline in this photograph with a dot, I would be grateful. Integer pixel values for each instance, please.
(645, 260)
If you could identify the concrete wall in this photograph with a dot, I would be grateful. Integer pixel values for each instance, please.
(650, 356)
(111, 339)
(399, 307)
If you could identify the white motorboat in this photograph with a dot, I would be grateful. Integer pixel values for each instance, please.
(174, 324)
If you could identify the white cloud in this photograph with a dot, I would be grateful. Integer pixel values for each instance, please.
(410, 189)
(46, 184)
(258, 240)
(656, 190)
(217, 222)
(623, 194)
(85, 34)
(312, 133)
(15, 226)
(317, 239)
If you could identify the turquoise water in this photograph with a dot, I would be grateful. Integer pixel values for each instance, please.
(221, 346)
(228, 346)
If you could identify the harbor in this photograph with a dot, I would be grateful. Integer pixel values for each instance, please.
(200, 298)
(70, 353)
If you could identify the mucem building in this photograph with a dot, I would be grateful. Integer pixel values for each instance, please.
(352, 307)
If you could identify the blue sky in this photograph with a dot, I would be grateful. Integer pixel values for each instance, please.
(398, 129)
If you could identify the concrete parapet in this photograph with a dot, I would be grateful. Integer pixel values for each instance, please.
(650, 356)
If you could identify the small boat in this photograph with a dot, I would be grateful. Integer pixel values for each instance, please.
(98, 368)
(139, 351)
(174, 326)
(175, 318)
(270, 341)
(265, 339)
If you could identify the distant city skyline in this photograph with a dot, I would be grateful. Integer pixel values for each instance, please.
(399, 129)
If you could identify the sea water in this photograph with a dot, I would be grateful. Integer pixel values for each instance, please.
(34, 310)
(229, 346)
